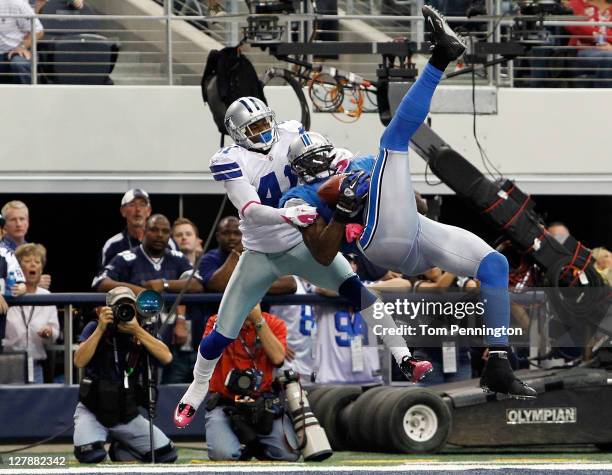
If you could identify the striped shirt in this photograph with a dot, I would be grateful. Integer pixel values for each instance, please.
(14, 30)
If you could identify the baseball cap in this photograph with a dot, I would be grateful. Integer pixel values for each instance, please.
(134, 193)
(113, 296)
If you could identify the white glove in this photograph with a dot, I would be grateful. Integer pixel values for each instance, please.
(300, 215)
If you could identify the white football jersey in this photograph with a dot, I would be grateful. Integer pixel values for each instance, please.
(301, 332)
(335, 361)
(271, 176)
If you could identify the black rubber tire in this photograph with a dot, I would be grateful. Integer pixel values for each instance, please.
(316, 394)
(330, 405)
(380, 428)
(432, 415)
(367, 431)
(360, 418)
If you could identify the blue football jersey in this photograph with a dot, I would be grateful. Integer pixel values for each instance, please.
(308, 194)
(135, 267)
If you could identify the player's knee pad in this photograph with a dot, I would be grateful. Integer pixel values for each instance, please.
(165, 454)
(493, 270)
(213, 345)
(355, 292)
(119, 452)
(90, 453)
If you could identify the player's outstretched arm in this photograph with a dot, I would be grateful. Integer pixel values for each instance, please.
(244, 197)
(324, 240)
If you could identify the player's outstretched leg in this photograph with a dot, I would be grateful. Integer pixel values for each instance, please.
(459, 251)
(498, 376)
(249, 282)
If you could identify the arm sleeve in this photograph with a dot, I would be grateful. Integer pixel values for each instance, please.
(117, 269)
(53, 322)
(244, 197)
(88, 331)
(25, 24)
(279, 329)
(208, 266)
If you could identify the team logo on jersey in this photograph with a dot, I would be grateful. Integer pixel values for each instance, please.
(545, 415)
(127, 255)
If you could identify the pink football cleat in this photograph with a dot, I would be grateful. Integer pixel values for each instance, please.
(183, 415)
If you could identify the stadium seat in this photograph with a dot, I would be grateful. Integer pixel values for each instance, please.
(78, 59)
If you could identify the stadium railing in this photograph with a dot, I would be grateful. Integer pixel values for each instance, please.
(69, 302)
(171, 49)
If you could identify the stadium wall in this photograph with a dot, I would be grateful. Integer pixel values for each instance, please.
(103, 139)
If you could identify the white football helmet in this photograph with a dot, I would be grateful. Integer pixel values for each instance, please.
(252, 124)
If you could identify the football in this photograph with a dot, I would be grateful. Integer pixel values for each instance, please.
(330, 190)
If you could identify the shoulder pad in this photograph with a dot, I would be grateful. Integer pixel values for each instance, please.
(127, 256)
(225, 164)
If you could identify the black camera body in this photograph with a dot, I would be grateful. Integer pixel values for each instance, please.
(244, 381)
(123, 311)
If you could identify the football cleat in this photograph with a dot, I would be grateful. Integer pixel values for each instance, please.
(183, 415)
(442, 35)
(498, 377)
(414, 369)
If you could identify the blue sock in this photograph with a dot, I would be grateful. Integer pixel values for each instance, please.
(493, 276)
(213, 345)
(412, 111)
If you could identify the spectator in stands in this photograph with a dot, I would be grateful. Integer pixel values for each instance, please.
(150, 265)
(187, 237)
(31, 328)
(114, 355)
(17, 224)
(603, 263)
(559, 231)
(16, 41)
(594, 42)
(136, 209)
(235, 431)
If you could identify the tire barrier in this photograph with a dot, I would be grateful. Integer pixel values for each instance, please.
(382, 418)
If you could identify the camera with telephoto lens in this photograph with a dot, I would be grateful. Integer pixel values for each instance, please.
(244, 381)
(311, 436)
(123, 311)
(122, 302)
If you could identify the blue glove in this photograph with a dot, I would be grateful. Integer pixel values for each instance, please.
(353, 193)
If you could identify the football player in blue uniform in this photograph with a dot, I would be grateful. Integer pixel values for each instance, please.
(376, 212)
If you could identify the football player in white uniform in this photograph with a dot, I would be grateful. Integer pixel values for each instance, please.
(255, 173)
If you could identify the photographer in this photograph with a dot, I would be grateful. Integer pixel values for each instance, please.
(244, 412)
(113, 352)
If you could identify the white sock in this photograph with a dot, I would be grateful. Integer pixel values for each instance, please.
(202, 372)
(395, 343)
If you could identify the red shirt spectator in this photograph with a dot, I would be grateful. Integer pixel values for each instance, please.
(595, 11)
(236, 355)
